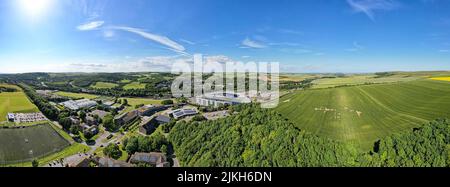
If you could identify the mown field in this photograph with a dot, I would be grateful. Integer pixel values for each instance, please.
(14, 102)
(362, 114)
(77, 95)
(24, 144)
(134, 85)
(103, 85)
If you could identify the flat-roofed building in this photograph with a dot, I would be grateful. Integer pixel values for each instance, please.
(218, 99)
(26, 117)
(149, 125)
(149, 110)
(78, 104)
(126, 118)
(179, 113)
(153, 159)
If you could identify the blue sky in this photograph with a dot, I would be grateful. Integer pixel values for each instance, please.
(149, 35)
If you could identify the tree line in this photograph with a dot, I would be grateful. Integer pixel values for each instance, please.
(262, 137)
(44, 106)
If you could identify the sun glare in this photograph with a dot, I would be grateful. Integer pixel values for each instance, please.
(35, 7)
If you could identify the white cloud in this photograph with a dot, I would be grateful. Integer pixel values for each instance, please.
(444, 50)
(356, 47)
(108, 33)
(319, 54)
(187, 41)
(154, 37)
(247, 43)
(286, 44)
(290, 31)
(369, 6)
(90, 26)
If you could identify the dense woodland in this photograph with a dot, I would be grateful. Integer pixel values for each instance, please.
(261, 137)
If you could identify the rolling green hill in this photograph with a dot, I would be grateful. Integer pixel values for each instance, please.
(103, 85)
(363, 114)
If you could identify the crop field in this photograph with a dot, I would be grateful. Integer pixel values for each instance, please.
(363, 114)
(441, 78)
(14, 102)
(360, 79)
(24, 144)
(104, 85)
(295, 77)
(77, 95)
(134, 85)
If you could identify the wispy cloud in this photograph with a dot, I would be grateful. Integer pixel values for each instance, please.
(444, 50)
(356, 47)
(292, 44)
(109, 33)
(187, 41)
(369, 6)
(153, 37)
(248, 43)
(90, 25)
(290, 31)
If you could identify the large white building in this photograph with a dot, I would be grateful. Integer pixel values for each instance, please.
(219, 99)
(78, 104)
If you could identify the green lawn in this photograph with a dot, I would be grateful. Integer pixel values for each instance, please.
(134, 85)
(138, 101)
(14, 102)
(24, 144)
(104, 85)
(77, 95)
(362, 114)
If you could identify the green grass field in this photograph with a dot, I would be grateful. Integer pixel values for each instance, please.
(138, 101)
(134, 85)
(77, 95)
(125, 81)
(14, 102)
(103, 85)
(24, 144)
(362, 114)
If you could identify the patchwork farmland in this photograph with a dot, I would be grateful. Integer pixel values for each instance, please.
(24, 144)
(363, 114)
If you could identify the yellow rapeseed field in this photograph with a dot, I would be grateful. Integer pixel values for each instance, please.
(441, 78)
